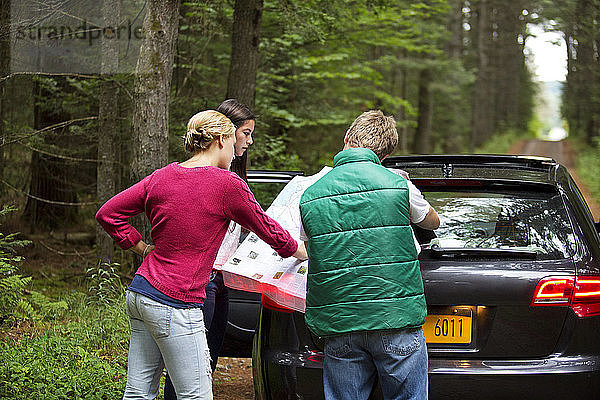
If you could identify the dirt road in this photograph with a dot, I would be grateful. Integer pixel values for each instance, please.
(233, 379)
(562, 152)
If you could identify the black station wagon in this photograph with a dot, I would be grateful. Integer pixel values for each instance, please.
(512, 281)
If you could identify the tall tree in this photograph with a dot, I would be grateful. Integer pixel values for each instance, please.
(243, 65)
(107, 122)
(482, 122)
(4, 71)
(52, 200)
(508, 61)
(245, 38)
(422, 142)
(454, 44)
(152, 84)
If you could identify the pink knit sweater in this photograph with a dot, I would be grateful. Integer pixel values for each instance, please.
(189, 210)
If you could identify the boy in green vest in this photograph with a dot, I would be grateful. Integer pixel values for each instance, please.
(364, 289)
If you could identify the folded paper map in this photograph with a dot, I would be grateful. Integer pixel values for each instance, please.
(256, 267)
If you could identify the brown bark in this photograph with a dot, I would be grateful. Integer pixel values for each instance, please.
(404, 129)
(422, 142)
(245, 38)
(481, 125)
(107, 125)
(451, 141)
(455, 27)
(586, 69)
(4, 71)
(508, 62)
(51, 177)
(152, 85)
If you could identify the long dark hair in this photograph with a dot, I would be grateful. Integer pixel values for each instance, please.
(238, 113)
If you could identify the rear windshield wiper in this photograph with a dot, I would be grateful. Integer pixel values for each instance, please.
(479, 252)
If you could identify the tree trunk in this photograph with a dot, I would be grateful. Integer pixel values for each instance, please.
(455, 27)
(107, 125)
(481, 119)
(51, 177)
(451, 141)
(423, 132)
(241, 82)
(152, 85)
(508, 62)
(404, 128)
(4, 71)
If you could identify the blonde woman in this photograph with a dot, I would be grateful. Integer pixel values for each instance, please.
(190, 206)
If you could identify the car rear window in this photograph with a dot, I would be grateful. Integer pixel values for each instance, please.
(534, 222)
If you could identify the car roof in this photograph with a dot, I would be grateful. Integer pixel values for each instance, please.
(478, 166)
(266, 176)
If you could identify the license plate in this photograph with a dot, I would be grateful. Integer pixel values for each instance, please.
(448, 329)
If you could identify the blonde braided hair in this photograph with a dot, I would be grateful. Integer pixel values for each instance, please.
(205, 127)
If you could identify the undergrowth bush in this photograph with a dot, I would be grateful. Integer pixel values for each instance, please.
(104, 283)
(502, 142)
(12, 284)
(74, 348)
(16, 302)
(81, 357)
(588, 165)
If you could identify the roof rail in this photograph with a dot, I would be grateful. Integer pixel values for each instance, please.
(471, 160)
(258, 176)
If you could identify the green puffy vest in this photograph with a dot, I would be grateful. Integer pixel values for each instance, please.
(363, 272)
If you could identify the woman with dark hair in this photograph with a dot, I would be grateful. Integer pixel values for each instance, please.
(216, 305)
(243, 119)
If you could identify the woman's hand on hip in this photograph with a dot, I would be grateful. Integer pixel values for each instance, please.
(142, 248)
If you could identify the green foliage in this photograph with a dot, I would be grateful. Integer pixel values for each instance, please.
(588, 165)
(104, 284)
(82, 358)
(16, 302)
(47, 308)
(502, 142)
(270, 153)
(13, 305)
(578, 20)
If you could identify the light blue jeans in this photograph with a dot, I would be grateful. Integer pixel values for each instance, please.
(166, 336)
(354, 360)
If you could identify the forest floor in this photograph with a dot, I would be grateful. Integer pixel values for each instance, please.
(233, 379)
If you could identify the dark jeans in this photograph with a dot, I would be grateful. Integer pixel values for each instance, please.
(216, 308)
(354, 360)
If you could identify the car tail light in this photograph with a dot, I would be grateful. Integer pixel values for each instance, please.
(586, 298)
(582, 294)
(555, 291)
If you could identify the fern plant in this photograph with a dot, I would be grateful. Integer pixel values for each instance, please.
(17, 303)
(13, 305)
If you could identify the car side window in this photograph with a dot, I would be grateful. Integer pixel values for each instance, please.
(586, 217)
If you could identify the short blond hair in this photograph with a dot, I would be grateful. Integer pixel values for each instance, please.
(373, 130)
(205, 127)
